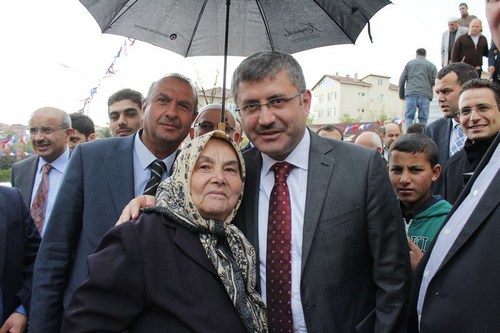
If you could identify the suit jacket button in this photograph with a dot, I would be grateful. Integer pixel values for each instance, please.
(437, 293)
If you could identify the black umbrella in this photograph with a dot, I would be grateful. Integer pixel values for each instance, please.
(202, 27)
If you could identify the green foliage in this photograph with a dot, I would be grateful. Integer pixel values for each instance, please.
(6, 162)
(309, 121)
(347, 119)
(383, 117)
(5, 175)
(104, 133)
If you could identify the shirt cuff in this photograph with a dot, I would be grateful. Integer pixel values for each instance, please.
(20, 309)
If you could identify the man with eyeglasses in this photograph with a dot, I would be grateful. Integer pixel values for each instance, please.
(321, 213)
(49, 130)
(209, 118)
(480, 120)
(349, 264)
(456, 284)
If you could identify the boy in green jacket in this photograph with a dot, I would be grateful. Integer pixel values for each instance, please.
(412, 169)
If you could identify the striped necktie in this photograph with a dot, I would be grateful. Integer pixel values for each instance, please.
(40, 201)
(157, 169)
(459, 142)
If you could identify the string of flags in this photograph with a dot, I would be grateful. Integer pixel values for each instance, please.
(110, 71)
(12, 139)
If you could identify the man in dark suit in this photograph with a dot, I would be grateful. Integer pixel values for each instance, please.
(349, 259)
(445, 131)
(103, 176)
(49, 129)
(19, 241)
(480, 120)
(456, 289)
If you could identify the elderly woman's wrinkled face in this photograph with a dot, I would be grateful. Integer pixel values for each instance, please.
(216, 180)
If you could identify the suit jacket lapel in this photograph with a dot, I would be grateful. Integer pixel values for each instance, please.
(319, 176)
(489, 202)
(27, 180)
(119, 170)
(253, 161)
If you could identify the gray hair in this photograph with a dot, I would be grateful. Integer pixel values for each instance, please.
(64, 118)
(179, 77)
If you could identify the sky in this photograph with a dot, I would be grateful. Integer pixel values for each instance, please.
(53, 53)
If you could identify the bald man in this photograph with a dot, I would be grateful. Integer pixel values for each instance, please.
(49, 130)
(369, 140)
(391, 132)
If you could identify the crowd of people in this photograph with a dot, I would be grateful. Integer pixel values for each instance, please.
(463, 42)
(297, 231)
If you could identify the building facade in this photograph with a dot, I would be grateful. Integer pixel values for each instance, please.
(338, 99)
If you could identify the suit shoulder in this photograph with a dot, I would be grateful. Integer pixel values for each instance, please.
(12, 196)
(25, 162)
(436, 125)
(456, 158)
(104, 145)
(11, 192)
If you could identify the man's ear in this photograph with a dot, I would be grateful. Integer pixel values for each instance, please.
(91, 137)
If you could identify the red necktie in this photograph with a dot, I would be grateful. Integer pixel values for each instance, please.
(40, 202)
(279, 253)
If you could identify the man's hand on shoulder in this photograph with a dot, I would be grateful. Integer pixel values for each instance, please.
(132, 210)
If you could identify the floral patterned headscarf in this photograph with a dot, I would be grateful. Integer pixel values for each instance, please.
(235, 264)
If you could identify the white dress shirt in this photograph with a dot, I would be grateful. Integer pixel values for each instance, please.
(297, 186)
(455, 224)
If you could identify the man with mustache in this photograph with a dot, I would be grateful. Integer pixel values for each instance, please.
(49, 130)
(103, 176)
(125, 112)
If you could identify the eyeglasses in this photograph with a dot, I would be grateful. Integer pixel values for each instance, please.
(208, 127)
(43, 129)
(481, 108)
(274, 103)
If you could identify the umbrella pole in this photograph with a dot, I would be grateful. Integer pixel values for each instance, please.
(222, 124)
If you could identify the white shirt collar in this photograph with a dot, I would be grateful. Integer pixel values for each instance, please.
(299, 156)
(59, 164)
(146, 157)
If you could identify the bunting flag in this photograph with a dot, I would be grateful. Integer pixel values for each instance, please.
(110, 71)
(7, 141)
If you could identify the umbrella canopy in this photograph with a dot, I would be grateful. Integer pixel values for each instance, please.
(198, 27)
(235, 27)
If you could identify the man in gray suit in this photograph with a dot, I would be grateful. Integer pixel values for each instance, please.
(103, 176)
(49, 130)
(454, 31)
(445, 131)
(349, 259)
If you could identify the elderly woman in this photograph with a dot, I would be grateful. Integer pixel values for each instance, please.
(182, 266)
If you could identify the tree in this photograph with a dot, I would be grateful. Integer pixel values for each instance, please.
(347, 119)
(104, 133)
